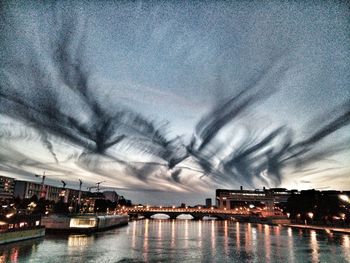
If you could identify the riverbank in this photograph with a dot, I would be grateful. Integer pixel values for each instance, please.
(325, 228)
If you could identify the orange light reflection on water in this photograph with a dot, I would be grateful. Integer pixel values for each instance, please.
(133, 237)
(248, 237)
(173, 234)
(267, 243)
(80, 240)
(213, 238)
(346, 246)
(145, 240)
(238, 238)
(226, 237)
(14, 255)
(314, 246)
(159, 229)
(186, 233)
(200, 233)
(291, 244)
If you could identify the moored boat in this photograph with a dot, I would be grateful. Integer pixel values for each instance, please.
(20, 227)
(84, 223)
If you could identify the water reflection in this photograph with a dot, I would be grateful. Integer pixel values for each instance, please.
(290, 244)
(186, 241)
(186, 236)
(10, 257)
(346, 247)
(238, 236)
(133, 236)
(160, 229)
(226, 237)
(145, 239)
(213, 238)
(173, 234)
(267, 243)
(314, 246)
(248, 237)
(15, 251)
(80, 240)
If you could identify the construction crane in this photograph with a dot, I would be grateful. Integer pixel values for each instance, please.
(90, 187)
(97, 187)
(79, 195)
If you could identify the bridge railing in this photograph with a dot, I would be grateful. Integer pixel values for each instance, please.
(184, 210)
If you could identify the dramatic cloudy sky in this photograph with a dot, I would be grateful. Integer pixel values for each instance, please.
(167, 101)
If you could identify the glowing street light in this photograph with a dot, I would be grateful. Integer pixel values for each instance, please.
(342, 215)
(344, 198)
(9, 215)
(310, 214)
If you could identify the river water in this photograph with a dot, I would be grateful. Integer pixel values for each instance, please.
(185, 241)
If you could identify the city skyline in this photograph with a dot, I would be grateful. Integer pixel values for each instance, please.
(173, 100)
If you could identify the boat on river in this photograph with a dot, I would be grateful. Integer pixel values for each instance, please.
(18, 227)
(83, 223)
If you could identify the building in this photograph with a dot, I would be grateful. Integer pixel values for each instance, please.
(111, 196)
(24, 189)
(7, 185)
(208, 202)
(233, 199)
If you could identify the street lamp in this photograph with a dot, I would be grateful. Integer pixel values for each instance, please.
(310, 214)
(344, 198)
(342, 215)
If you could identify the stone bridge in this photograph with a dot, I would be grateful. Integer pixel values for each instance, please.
(196, 213)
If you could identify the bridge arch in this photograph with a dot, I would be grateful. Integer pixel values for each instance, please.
(185, 216)
(160, 216)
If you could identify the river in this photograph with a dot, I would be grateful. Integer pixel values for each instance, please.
(185, 241)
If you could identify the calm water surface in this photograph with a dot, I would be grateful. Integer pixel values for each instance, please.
(185, 241)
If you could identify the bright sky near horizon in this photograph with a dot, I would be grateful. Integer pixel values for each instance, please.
(171, 100)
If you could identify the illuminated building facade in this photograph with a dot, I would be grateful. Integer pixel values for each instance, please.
(6, 187)
(233, 199)
(24, 189)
